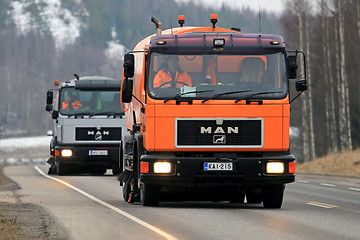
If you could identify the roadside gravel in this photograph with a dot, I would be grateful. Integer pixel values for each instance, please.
(20, 220)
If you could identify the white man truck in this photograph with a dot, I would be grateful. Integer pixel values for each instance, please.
(87, 125)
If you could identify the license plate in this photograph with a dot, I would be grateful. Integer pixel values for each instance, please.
(98, 152)
(218, 166)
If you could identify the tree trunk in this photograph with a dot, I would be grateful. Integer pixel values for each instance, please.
(345, 125)
(299, 5)
(310, 101)
(329, 81)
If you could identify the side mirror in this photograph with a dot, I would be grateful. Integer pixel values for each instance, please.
(49, 97)
(129, 64)
(50, 133)
(301, 85)
(127, 91)
(292, 66)
(55, 114)
(49, 107)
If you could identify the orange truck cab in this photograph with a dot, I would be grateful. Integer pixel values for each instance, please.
(208, 115)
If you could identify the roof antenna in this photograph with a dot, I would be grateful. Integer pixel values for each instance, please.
(171, 28)
(77, 76)
(259, 19)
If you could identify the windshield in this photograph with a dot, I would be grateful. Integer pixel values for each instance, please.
(217, 76)
(74, 101)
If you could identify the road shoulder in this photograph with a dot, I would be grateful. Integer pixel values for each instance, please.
(19, 220)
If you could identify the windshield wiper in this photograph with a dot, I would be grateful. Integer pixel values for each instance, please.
(79, 114)
(255, 94)
(106, 113)
(181, 94)
(225, 93)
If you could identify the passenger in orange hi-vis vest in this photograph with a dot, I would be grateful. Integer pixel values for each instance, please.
(172, 75)
(70, 102)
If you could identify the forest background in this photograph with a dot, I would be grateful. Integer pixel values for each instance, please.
(42, 41)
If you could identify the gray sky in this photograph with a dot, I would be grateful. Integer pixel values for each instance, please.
(269, 5)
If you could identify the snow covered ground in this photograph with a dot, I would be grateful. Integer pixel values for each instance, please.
(25, 150)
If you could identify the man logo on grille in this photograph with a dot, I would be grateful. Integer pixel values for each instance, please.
(98, 136)
(219, 139)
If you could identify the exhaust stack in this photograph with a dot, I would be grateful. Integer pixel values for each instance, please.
(157, 24)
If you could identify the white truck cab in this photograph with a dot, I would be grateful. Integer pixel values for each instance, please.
(88, 124)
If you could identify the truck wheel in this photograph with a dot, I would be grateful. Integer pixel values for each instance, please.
(253, 196)
(98, 171)
(115, 170)
(61, 169)
(149, 195)
(238, 198)
(126, 191)
(273, 196)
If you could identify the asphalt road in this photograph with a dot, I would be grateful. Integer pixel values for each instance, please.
(91, 207)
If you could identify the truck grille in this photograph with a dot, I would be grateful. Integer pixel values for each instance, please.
(95, 134)
(219, 133)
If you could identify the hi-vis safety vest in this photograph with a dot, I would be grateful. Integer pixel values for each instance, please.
(74, 105)
(164, 76)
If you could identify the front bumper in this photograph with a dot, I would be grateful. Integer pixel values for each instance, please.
(247, 172)
(81, 155)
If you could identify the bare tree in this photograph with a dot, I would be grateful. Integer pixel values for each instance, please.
(328, 76)
(344, 107)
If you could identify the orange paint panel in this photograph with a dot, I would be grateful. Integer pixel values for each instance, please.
(149, 126)
(273, 133)
(286, 126)
(162, 138)
(204, 110)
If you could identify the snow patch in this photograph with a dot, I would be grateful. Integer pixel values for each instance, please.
(65, 27)
(21, 19)
(11, 144)
(58, 20)
(115, 50)
(294, 132)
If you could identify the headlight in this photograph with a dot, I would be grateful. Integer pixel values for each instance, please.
(162, 167)
(275, 167)
(66, 152)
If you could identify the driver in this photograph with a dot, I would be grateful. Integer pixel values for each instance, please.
(252, 70)
(172, 75)
(70, 102)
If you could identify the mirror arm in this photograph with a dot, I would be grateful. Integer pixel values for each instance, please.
(142, 105)
(296, 96)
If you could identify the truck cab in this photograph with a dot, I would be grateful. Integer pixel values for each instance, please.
(87, 125)
(215, 126)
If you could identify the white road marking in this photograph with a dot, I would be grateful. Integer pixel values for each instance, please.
(323, 205)
(125, 214)
(318, 205)
(327, 184)
(302, 181)
(355, 189)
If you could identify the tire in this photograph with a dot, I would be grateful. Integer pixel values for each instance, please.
(115, 170)
(98, 171)
(52, 170)
(273, 196)
(238, 198)
(149, 195)
(254, 197)
(61, 169)
(126, 191)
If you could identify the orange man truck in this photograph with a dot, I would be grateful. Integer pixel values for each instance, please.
(208, 115)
